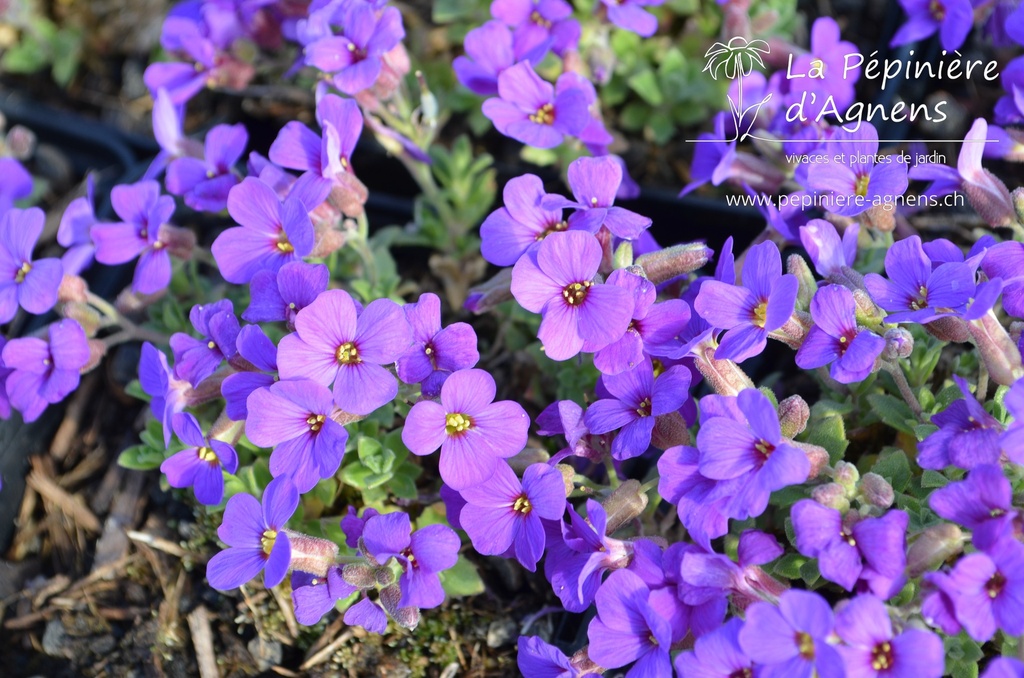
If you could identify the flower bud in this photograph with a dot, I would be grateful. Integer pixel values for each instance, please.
(847, 475)
(936, 545)
(328, 241)
(568, 473)
(72, 288)
(1017, 197)
(85, 315)
(97, 350)
(670, 262)
(528, 457)
(832, 495)
(880, 217)
(990, 198)
(131, 303)
(816, 455)
(624, 504)
(948, 329)
(797, 266)
(311, 554)
(384, 576)
(389, 598)
(180, 242)
(876, 490)
(583, 664)
(407, 617)
(899, 343)
(20, 142)
(724, 376)
(485, 296)
(669, 431)
(428, 102)
(793, 416)
(998, 351)
(867, 312)
(349, 194)
(623, 257)
(360, 575)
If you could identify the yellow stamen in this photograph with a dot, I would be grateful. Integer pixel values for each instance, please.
(348, 354)
(457, 424)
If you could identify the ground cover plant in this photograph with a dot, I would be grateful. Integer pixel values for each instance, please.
(792, 453)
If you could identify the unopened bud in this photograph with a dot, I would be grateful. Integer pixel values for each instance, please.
(949, 329)
(1017, 198)
(407, 617)
(670, 262)
(793, 416)
(876, 490)
(624, 504)
(72, 288)
(349, 194)
(998, 351)
(20, 142)
(583, 664)
(936, 545)
(808, 286)
(724, 376)
(384, 576)
(180, 242)
(85, 315)
(568, 473)
(528, 457)
(389, 597)
(623, 257)
(899, 343)
(329, 240)
(131, 303)
(309, 554)
(990, 198)
(485, 296)
(669, 431)
(816, 455)
(428, 102)
(360, 575)
(847, 475)
(1016, 328)
(832, 495)
(97, 349)
(867, 312)
(880, 217)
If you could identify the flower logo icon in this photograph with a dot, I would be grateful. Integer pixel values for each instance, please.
(735, 60)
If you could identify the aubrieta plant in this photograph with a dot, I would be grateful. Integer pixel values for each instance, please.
(355, 445)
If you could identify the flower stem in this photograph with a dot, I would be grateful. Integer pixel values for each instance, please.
(901, 383)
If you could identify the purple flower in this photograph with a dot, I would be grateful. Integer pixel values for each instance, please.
(489, 52)
(712, 159)
(205, 183)
(703, 503)
(827, 56)
(836, 338)
(1013, 439)
(280, 295)
(422, 554)
(983, 503)
(985, 192)
(1004, 667)
(637, 399)
(73, 232)
(988, 590)
(717, 655)
(749, 312)
(196, 359)
(709, 576)
(792, 639)
(967, 435)
(473, 432)
(31, 284)
(594, 183)
(256, 348)
(256, 536)
(17, 183)
(528, 110)
(314, 596)
(355, 58)
(557, 281)
(538, 659)
(629, 14)
(859, 184)
(828, 252)
(914, 292)
(873, 650)
(436, 353)
(503, 514)
(628, 629)
(1009, 110)
(201, 464)
(295, 419)
(141, 234)
(271, 234)
(45, 372)
(540, 25)
(331, 344)
(167, 392)
(951, 19)
(872, 549)
(510, 231)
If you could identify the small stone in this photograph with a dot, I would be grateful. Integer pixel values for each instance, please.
(267, 653)
(501, 632)
(55, 639)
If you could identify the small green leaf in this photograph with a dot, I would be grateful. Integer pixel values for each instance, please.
(931, 479)
(893, 411)
(462, 580)
(645, 83)
(789, 565)
(140, 458)
(894, 466)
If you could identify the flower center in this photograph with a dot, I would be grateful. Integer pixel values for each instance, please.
(316, 422)
(267, 540)
(457, 424)
(644, 410)
(765, 448)
(742, 673)
(545, 115)
(881, 656)
(19, 277)
(211, 344)
(575, 293)
(995, 585)
(536, 18)
(937, 10)
(208, 455)
(348, 354)
(659, 367)
(555, 227)
(284, 246)
(922, 299)
(805, 645)
(411, 557)
(818, 65)
(759, 314)
(861, 187)
(522, 505)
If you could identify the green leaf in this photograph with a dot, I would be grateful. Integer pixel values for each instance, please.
(828, 432)
(134, 389)
(462, 580)
(140, 458)
(893, 412)
(645, 83)
(809, 572)
(894, 466)
(67, 50)
(930, 479)
(789, 565)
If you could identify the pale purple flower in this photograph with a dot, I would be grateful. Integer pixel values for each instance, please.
(967, 437)
(988, 590)
(792, 639)
(26, 282)
(17, 183)
(528, 110)
(521, 224)
(860, 183)
(828, 252)
(205, 183)
(45, 371)
(260, 352)
(630, 14)
(872, 650)
(717, 655)
(951, 19)
(201, 464)
(278, 296)
(436, 352)
(540, 25)
(594, 183)
(837, 339)
(355, 58)
(488, 53)
(983, 503)
(73, 232)
(628, 629)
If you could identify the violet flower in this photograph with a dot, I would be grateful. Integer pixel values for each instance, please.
(201, 464)
(627, 629)
(749, 312)
(537, 658)
(967, 437)
(510, 231)
(26, 282)
(205, 183)
(594, 183)
(637, 399)
(473, 432)
(717, 654)
(488, 53)
(951, 19)
(314, 596)
(1012, 440)
(278, 296)
(710, 576)
(827, 56)
(793, 638)
(73, 232)
(836, 338)
(828, 252)
(557, 281)
(196, 359)
(255, 347)
(988, 590)
(332, 344)
(983, 503)
(703, 504)
(45, 371)
(436, 353)
(502, 513)
(528, 110)
(630, 15)
(166, 392)
(295, 419)
(355, 58)
(857, 186)
(255, 532)
(540, 25)
(1004, 667)
(17, 183)
(871, 648)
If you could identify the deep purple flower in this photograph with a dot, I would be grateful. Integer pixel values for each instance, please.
(205, 182)
(711, 576)
(201, 464)
(528, 110)
(45, 371)
(872, 549)
(167, 392)
(521, 224)
(836, 338)
(871, 649)
(271, 233)
(860, 183)
(828, 252)
(196, 359)
(1012, 440)
(332, 345)
(630, 14)
(5, 401)
(17, 183)
(354, 58)
(488, 53)
(951, 19)
(24, 281)
(502, 513)
(717, 655)
(259, 351)
(967, 435)
(792, 639)
(749, 312)
(295, 419)
(703, 504)
(988, 590)
(436, 353)
(279, 295)
(141, 234)
(473, 432)
(256, 536)
(1009, 109)
(627, 628)
(914, 292)
(594, 183)
(983, 503)
(538, 659)
(314, 596)
(637, 399)
(73, 232)
(422, 555)
(557, 281)
(712, 158)
(827, 56)
(1004, 667)
(540, 25)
